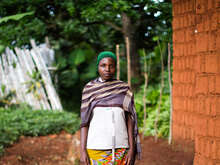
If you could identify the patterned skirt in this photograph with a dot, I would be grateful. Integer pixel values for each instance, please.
(104, 157)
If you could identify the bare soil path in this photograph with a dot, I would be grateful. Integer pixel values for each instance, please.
(53, 150)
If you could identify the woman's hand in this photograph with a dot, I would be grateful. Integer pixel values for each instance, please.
(84, 158)
(130, 157)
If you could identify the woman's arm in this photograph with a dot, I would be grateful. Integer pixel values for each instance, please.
(130, 156)
(84, 158)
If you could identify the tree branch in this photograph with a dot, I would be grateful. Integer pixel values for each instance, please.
(114, 26)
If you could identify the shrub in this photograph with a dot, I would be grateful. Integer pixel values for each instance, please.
(26, 122)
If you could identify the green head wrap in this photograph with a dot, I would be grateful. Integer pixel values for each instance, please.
(104, 55)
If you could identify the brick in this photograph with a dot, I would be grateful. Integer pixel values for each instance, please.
(177, 102)
(181, 77)
(210, 162)
(180, 22)
(210, 4)
(175, 25)
(198, 18)
(187, 108)
(214, 106)
(187, 58)
(213, 21)
(206, 22)
(175, 63)
(196, 160)
(193, 48)
(197, 144)
(187, 91)
(197, 63)
(181, 8)
(202, 42)
(211, 63)
(218, 149)
(175, 36)
(207, 105)
(200, 23)
(175, 77)
(211, 84)
(193, 77)
(175, 90)
(212, 41)
(183, 106)
(191, 5)
(217, 129)
(201, 126)
(181, 36)
(214, 149)
(184, 7)
(203, 63)
(201, 104)
(202, 84)
(200, 6)
(218, 40)
(217, 84)
(190, 105)
(211, 126)
(185, 53)
(176, 50)
(217, 4)
(207, 148)
(188, 76)
(218, 16)
(184, 21)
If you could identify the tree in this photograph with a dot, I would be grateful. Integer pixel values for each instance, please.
(79, 29)
(135, 19)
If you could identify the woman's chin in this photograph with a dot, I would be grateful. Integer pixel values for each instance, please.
(107, 78)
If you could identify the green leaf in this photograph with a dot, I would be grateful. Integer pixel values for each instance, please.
(15, 17)
(79, 57)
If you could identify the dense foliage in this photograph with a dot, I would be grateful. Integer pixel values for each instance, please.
(78, 30)
(152, 103)
(23, 121)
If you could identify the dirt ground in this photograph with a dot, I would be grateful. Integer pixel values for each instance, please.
(53, 150)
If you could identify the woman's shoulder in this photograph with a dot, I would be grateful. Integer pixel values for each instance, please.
(123, 83)
(90, 83)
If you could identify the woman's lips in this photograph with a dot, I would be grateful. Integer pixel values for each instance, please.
(107, 75)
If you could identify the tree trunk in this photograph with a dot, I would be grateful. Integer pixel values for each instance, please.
(129, 31)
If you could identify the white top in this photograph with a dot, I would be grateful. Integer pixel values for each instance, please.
(107, 129)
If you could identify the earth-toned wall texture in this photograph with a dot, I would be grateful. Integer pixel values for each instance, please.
(196, 77)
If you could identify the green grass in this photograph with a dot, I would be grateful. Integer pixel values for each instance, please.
(26, 122)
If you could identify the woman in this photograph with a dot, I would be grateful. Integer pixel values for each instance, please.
(109, 133)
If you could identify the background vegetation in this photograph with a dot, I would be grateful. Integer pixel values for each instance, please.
(24, 121)
(78, 31)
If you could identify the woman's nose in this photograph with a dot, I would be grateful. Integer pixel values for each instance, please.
(107, 68)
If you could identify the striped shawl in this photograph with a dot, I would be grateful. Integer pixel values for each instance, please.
(113, 93)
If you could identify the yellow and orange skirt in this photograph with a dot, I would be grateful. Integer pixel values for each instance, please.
(104, 157)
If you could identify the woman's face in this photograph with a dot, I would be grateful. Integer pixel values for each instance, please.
(106, 68)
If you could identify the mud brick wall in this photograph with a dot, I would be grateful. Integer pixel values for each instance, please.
(196, 77)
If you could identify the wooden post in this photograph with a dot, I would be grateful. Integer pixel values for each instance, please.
(3, 76)
(118, 62)
(128, 61)
(18, 76)
(28, 66)
(171, 102)
(144, 95)
(10, 81)
(2, 79)
(161, 93)
(54, 99)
